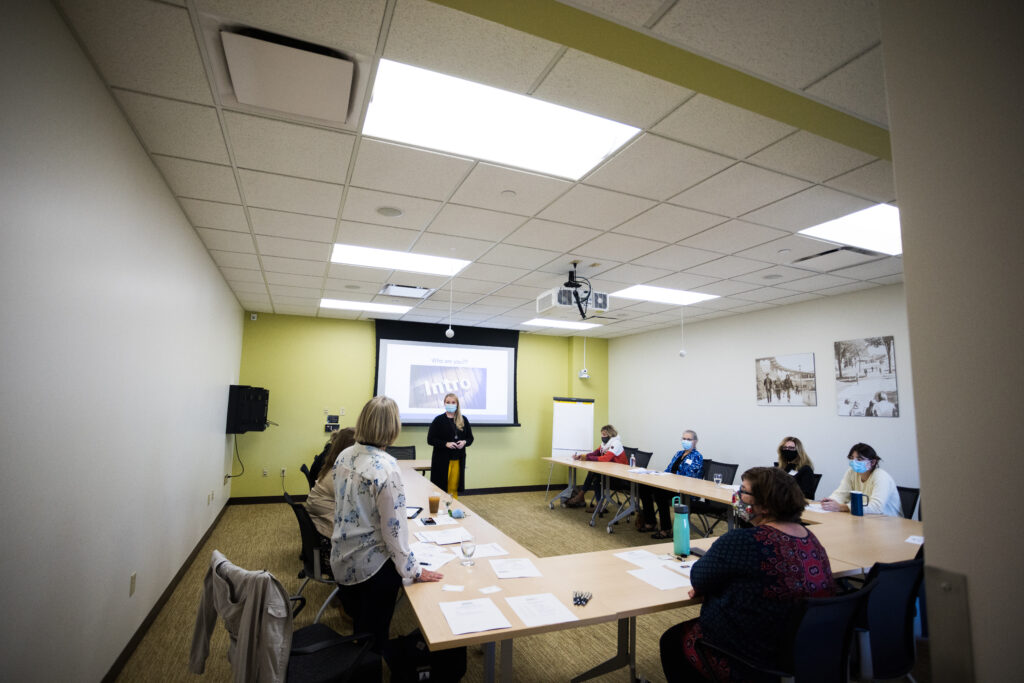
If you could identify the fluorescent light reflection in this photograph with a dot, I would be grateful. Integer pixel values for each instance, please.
(561, 324)
(432, 110)
(342, 305)
(663, 295)
(876, 229)
(396, 260)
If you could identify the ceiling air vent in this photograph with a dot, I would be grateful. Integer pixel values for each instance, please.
(839, 257)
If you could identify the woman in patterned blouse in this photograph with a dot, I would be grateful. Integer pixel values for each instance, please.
(750, 579)
(370, 546)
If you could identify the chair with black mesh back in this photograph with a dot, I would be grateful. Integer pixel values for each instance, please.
(711, 512)
(316, 554)
(817, 480)
(885, 629)
(816, 645)
(402, 452)
(309, 475)
(908, 500)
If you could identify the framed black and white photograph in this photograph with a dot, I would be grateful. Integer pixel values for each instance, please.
(786, 380)
(866, 378)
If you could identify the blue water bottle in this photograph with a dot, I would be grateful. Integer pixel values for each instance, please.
(681, 527)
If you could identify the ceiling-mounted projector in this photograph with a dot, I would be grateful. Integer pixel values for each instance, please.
(562, 297)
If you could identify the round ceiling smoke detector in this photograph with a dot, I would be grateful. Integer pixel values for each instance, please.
(508, 194)
(389, 211)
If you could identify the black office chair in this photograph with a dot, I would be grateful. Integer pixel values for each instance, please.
(310, 479)
(316, 555)
(908, 500)
(402, 452)
(643, 458)
(885, 629)
(817, 480)
(817, 642)
(708, 510)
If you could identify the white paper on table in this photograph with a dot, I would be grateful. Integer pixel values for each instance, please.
(816, 507)
(471, 616)
(661, 578)
(515, 568)
(644, 470)
(540, 609)
(430, 556)
(641, 558)
(489, 550)
(444, 536)
(489, 589)
(439, 520)
(916, 540)
(453, 588)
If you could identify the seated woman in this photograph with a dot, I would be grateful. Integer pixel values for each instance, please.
(320, 501)
(751, 579)
(688, 462)
(864, 475)
(793, 459)
(610, 450)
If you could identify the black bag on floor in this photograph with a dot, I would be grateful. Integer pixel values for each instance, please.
(411, 661)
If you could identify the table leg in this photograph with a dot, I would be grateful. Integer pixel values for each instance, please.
(489, 662)
(625, 654)
(506, 660)
(566, 493)
(602, 501)
(629, 508)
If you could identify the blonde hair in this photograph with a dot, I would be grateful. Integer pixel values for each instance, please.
(801, 455)
(611, 430)
(378, 424)
(340, 440)
(459, 422)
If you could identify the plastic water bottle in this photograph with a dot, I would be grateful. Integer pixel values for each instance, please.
(680, 527)
(632, 461)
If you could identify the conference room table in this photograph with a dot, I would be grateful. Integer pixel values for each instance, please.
(853, 545)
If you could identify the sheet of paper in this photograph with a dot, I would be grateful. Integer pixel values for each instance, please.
(439, 520)
(641, 558)
(489, 550)
(443, 536)
(430, 556)
(489, 589)
(473, 616)
(661, 578)
(540, 609)
(916, 540)
(515, 568)
(816, 507)
(453, 588)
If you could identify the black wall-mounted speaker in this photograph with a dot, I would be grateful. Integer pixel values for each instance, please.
(247, 409)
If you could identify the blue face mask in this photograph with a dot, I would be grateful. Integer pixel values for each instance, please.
(686, 444)
(450, 407)
(860, 466)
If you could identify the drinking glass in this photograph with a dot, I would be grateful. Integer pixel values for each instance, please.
(718, 479)
(468, 547)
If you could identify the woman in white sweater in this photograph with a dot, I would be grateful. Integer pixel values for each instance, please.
(865, 476)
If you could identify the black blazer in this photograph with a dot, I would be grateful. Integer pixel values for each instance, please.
(442, 430)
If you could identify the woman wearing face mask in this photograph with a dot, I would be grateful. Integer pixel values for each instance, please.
(688, 462)
(864, 475)
(793, 459)
(610, 450)
(751, 579)
(450, 435)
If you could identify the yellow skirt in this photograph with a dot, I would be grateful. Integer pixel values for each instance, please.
(453, 478)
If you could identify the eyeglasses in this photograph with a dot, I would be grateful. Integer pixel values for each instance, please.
(742, 491)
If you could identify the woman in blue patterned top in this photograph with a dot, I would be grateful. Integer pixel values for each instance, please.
(370, 546)
(750, 579)
(688, 462)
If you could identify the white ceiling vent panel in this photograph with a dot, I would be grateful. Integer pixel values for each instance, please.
(286, 79)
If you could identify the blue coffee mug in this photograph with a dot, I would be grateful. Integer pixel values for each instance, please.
(857, 503)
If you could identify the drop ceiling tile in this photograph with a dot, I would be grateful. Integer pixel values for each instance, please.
(203, 214)
(198, 180)
(463, 284)
(521, 257)
(520, 292)
(343, 272)
(811, 157)
(595, 208)
(634, 13)
(891, 265)
(283, 193)
(401, 277)
(633, 275)
(733, 237)
(726, 288)
(889, 279)
(840, 258)
(435, 305)
(509, 190)
(685, 281)
(449, 247)
(739, 189)
(440, 39)
(872, 181)
(858, 86)
(614, 245)
(497, 274)
(503, 302)
(786, 250)
(586, 83)
(256, 303)
(727, 267)
(285, 294)
(276, 264)
(676, 258)
(774, 275)
(750, 308)
(423, 318)
(468, 221)
(350, 290)
(668, 223)
(297, 249)
(483, 310)
(300, 307)
(292, 225)
(175, 128)
(361, 206)
(796, 299)
(816, 282)
(233, 259)
(846, 289)
(656, 168)
(808, 208)
(349, 25)
(263, 144)
(242, 275)
(377, 236)
(144, 46)
(711, 124)
(404, 170)
(247, 288)
(550, 235)
(308, 281)
(227, 240)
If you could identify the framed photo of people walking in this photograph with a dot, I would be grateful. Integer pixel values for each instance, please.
(786, 380)
(866, 377)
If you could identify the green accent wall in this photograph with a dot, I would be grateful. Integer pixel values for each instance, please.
(309, 364)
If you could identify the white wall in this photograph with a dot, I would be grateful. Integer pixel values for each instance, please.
(655, 394)
(119, 340)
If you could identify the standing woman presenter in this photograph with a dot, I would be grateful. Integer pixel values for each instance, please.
(450, 435)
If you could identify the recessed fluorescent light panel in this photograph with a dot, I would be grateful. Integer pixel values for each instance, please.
(663, 295)
(396, 260)
(876, 229)
(362, 306)
(562, 324)
(432, 110)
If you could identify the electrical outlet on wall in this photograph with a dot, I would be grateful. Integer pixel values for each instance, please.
(265, 472)
(282, 471)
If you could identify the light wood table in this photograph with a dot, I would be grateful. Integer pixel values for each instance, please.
(421, 465)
